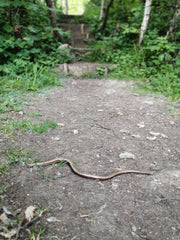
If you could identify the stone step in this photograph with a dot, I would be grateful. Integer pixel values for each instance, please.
(71, 18)
(81, 52)
(79, 43)
(80, 33)
(78, 69)
(79, 28)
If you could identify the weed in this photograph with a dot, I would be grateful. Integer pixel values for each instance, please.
(36, 160)
(15, 155)
(87, 75)
(101, 71)
(12, 127)
(2, 191)
(34, 114)
(46, 176)
(44, 127)
(10, 102)
(3, 168)
(34, 235)
(60, 164)
(22, 76)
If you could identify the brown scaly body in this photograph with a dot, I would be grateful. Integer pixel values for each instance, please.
(86, 175)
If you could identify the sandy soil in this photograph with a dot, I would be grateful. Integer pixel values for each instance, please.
(99, 120)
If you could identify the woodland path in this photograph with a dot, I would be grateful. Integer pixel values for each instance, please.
(98, 121)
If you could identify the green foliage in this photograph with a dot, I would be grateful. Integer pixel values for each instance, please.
(27, 62)
(34, 114)
(156, 62)
(91, 13)
(3, 188)
(34, 235)
(100, 71)
(22, 75)
(12, 127)
(15, 155)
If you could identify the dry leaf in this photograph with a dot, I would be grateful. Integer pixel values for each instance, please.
(9, 234)
(4, 218)
(29, 213)
(6, 211)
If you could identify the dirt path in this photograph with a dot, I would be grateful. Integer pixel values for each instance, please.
(99, 121)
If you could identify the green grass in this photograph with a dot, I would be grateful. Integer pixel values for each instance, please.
(15, 155)
(3, 168)
(34, 114)
(14, 127)
(2, 191)
(22, 76)
(36, 236)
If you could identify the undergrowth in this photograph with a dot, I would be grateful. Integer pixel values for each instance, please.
(27, 61)
(15, 155)
(156, 63)
(12, 127)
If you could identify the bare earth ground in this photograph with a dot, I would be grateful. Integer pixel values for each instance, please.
(98, 121)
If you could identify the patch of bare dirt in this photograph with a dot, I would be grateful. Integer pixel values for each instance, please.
(98, 121)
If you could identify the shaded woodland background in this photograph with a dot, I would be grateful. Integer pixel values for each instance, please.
(30, 37)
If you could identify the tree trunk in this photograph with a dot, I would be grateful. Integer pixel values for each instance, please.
(52, 16)
(102, 11)
(173, 23)
(17, 32)
(106, 16)
(144, 24)
(66, 7)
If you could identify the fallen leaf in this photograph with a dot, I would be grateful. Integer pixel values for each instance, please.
(29, 213)
(6, 211)
(4, 218)
(9, 234)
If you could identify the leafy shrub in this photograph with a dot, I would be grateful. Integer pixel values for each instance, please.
(26, 64)
(155, 62)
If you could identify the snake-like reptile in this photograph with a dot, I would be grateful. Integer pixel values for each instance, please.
(86, 175)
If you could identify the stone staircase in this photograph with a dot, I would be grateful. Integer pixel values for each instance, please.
(80, 34)
(80, 37)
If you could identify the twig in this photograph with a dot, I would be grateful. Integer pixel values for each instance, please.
(27, 224)
(19, 228)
